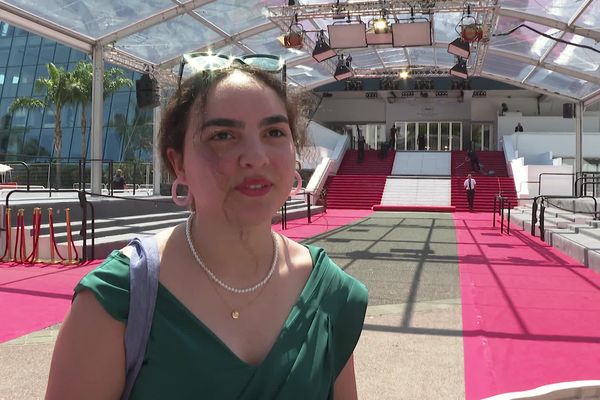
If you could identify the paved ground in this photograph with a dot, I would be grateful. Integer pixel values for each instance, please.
(411, 346)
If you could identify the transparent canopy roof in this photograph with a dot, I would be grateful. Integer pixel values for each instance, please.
(549, 46)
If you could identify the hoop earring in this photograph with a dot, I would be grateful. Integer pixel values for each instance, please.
(298, 186)
(180, 201)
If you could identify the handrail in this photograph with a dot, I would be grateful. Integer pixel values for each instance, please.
(502, 201)
(23, 163)
(579, 190)
(543, 205)
(555, 173)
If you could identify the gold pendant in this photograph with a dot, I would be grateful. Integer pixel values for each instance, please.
(235, 314)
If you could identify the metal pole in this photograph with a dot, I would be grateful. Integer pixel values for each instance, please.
(579, 137)
(97, 119)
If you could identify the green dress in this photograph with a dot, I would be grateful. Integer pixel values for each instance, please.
(186, 360)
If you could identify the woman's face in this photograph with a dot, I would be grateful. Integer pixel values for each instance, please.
(239, 155)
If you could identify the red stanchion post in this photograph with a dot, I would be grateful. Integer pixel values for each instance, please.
(7, 248)
(70, 244)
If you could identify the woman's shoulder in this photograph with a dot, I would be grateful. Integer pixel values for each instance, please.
(109, 282)
(340, 284)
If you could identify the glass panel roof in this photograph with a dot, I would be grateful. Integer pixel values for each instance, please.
(421, 55)
(393, 58)
(226, 14)
(366, 58)
(561, 10)
(590, 17)
(156, 32)
(508, 67)
(308, 74)
(444, 27)
(93, 18)
(557, 82)
(581, 59)
(156, 43)
(523, 41)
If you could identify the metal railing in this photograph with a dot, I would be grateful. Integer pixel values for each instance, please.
(544, 202)
(503, 204)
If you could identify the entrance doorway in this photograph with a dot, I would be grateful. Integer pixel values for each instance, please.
(434, 136)
(482, 137)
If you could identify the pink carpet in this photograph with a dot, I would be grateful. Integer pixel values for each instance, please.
(531, 315)
(299, 229)
(36, 297)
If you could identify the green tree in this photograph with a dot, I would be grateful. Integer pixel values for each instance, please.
(114, 79)
(58, 90)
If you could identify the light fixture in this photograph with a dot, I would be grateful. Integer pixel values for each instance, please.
(404, 74)
(322, 50)
(459, 48)
(343, 69)
(460, 69)
(381, 25)
(294, 38)
(347, 35)
(411, 34)
(472, 33)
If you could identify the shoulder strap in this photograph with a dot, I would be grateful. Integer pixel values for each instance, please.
(143, 285)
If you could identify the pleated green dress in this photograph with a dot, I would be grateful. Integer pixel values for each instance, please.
(186, 360)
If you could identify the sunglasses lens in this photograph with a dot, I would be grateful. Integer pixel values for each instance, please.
(205, 62)
(264, 62)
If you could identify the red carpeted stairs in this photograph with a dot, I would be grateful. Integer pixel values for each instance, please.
(357, 185)
(488, 185)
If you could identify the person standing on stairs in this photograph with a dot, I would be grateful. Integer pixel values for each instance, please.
(470, 188)
(241, 312)
(361, 147)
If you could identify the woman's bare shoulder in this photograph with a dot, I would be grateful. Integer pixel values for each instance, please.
(297, 255)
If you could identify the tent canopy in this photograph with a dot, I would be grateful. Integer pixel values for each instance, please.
(554, 51)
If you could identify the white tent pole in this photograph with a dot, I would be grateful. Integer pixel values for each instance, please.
(156, 161)
(578, 136)
(97, 119)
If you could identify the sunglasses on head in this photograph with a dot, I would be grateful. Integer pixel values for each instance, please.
(213, 62)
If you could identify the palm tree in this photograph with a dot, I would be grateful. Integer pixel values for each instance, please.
(114, 79)
(59, 91)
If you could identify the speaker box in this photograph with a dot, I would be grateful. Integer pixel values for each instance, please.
(146, 92)
(568, 110)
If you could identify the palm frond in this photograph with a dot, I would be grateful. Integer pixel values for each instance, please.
(26, 103)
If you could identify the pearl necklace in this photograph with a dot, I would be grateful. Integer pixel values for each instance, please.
(235, 314)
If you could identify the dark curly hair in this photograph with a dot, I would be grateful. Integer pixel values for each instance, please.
(176, 116)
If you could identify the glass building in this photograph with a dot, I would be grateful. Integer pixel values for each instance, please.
(28, 135)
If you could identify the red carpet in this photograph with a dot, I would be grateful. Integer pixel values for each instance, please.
(35, 297)
(299, 230)
(531, 315)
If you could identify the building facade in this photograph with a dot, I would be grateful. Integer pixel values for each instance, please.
(28, 135)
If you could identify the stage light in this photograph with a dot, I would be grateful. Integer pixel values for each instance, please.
(294, 38)
(347, 35)
(343, 69)
(404, 74)
(322, 50)
(381, 25)
(460, 69)
(459, 48)
(410, 34)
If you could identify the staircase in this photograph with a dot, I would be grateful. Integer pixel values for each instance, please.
(491, 180)
(359, 185)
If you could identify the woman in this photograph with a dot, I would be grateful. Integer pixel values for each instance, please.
(241, 312)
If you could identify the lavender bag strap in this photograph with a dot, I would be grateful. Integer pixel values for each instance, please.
(143, 285)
